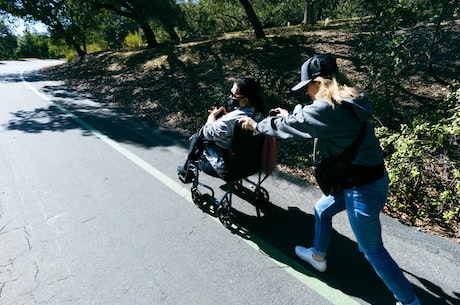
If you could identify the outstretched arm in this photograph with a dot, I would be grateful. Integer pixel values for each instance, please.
(215, 113)
(248, 123)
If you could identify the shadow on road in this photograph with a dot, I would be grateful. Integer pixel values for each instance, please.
(118, 126)
(10, 78)
(277, 231)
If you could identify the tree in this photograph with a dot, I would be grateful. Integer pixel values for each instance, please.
(8, 43)
(166, 12)
(213, 17)
(308, 15)
(253, 19)
(169, 14)
(33, 45)
(136, 10)
(64, 18)
(113, 29)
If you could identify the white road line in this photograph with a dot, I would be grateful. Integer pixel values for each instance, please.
(333, 295)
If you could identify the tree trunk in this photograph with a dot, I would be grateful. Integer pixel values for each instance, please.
(308, 13)
(171, 32)
(69, 39)
(149, 35)
(253, 19)
(85, 48)
(76, 46)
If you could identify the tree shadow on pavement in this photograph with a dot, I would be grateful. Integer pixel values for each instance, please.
(73, 110)
(10, 78)
(277, 231)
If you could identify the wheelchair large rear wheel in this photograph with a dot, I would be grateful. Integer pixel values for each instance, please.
(223, 212)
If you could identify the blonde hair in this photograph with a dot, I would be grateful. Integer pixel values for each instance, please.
(335, 89)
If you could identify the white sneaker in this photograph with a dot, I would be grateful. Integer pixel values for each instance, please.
(307, 255)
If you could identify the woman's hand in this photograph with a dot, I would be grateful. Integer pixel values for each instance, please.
(280, 112)
(248, 123)
(215, 113)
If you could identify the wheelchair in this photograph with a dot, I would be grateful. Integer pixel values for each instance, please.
(249, 154)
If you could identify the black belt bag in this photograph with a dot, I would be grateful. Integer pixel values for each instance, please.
(362, 175)
(332, 174)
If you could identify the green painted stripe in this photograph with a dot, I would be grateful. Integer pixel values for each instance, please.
(303, 274)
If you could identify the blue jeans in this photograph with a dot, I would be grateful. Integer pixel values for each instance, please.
(363, 205)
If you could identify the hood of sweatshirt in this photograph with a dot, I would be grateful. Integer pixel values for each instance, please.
(361, 106)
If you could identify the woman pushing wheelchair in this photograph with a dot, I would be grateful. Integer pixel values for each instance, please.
(339, 118)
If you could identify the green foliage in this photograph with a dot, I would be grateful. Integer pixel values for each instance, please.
(33, 45)
(387, 60)
(212, 18)
(424, 165)
(113, 29)
(66, 19)
(279, 13)
(397, 44)
(41, 46)
(133, 40)
(386, 55)
(337, 9)
(7, 42)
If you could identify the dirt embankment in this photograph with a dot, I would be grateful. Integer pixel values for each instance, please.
(174, 84)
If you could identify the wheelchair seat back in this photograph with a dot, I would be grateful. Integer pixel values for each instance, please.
(244, 155)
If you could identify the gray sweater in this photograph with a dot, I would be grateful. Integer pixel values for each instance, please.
(336, 128)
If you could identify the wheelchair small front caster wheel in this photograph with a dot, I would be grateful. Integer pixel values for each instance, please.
(223, 212)
(197, 198)
(262, 196)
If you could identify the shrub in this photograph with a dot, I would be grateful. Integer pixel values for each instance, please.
(133, 40)
(424, 168)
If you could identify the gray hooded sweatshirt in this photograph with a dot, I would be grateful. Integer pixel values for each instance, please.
(336, 128)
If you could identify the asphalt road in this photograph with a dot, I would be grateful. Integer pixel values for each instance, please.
(91, 212)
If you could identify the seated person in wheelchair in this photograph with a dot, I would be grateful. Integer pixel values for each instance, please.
(210, 145)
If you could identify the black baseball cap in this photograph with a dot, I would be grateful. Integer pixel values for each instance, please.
(317, 65)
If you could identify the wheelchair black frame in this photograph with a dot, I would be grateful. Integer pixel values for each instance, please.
(224, 204)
